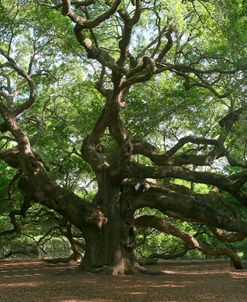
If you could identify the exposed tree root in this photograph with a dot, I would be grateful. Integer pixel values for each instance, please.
(117, 271)
(145, 271)
(72, 257)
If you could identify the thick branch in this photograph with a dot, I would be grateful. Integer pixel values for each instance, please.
(81, 23)
(66, 10)
(39, 186)
(44, 190)
(165, 226)
(127, 31)
(21, 212)
(219, 150)
(14, 128)
(146, 149)
(167, 47)
(162, 172)
(23, 74)
(189, 205)
(225, 236)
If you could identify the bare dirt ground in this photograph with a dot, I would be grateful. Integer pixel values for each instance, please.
(37, 281)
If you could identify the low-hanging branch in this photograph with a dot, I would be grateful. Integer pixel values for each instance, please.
(189, 205)
(223, 182)
(167, 227)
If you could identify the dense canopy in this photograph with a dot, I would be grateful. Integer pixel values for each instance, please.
(117, 116)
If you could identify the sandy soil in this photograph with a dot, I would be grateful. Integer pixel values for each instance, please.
(37, 281)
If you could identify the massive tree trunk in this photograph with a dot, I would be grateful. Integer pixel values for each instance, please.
(111, 247)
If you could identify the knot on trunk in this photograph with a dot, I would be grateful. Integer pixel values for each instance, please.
(97, 218)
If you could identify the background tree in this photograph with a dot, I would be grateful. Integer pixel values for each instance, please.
(142, 101)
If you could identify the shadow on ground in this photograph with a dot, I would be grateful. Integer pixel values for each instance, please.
(37, 281)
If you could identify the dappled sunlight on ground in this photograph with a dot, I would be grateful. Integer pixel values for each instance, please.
(20, 284)
(95, 300)
(37, 281)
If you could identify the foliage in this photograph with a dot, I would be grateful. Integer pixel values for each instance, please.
(107, 96)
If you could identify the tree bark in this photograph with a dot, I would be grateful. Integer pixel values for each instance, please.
(111, 247)
(190, 240)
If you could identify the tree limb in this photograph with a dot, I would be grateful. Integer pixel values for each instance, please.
(165, 226)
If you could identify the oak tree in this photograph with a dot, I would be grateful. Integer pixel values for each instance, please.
(146, 98)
